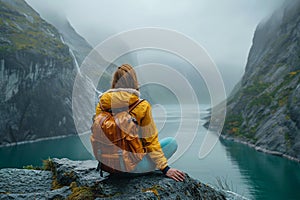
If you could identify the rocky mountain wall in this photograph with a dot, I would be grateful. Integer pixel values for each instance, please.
(37, 73)
(265, 111)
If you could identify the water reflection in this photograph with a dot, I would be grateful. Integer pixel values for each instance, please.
(270, 177)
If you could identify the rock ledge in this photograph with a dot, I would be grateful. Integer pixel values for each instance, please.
(79, 180)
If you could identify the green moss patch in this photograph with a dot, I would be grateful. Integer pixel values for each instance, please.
(255, 89)
(34, 35)
(49, 166)
(79, 193)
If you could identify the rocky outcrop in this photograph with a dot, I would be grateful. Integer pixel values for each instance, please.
(79, 180)
(29, 184)
(265, 111)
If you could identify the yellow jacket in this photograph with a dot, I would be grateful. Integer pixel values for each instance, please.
(123, 97)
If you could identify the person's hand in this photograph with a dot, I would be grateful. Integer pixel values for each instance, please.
(175, 174)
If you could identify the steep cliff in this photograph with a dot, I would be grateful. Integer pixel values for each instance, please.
(79, 47)
(265, 111)
(36, 76)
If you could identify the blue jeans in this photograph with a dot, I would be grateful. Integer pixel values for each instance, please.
(169, 147)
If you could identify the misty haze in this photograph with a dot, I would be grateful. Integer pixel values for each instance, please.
(217, 97)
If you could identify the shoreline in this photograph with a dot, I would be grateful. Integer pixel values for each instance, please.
(260, 149)
(41, 139)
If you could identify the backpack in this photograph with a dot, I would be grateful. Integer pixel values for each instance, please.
(115, 140)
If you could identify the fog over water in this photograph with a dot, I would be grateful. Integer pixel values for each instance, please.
(224, 28)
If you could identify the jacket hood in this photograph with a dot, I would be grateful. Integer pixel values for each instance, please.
(118, 98)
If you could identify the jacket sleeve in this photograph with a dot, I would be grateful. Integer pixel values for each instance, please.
(150, 139)
(98, 109)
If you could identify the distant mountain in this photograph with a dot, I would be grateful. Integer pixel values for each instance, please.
(264, 110)
(37, 71)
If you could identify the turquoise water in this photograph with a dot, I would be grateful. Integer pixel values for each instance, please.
(34, 153)
(250, 173)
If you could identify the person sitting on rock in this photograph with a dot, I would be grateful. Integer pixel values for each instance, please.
(124, 93)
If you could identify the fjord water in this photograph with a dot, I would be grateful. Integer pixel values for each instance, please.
(250, 173)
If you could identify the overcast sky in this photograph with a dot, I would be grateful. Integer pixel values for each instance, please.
(224, 28)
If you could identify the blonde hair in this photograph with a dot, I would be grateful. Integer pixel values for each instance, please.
(125, 77)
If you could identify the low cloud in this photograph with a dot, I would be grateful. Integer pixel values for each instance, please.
(224, 28)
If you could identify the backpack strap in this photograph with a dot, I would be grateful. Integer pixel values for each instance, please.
(132, 106)
(99, 169)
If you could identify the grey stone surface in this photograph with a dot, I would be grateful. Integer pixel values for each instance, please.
(134, 186)
(82, 172)
(155, 185)
(33, 184)
(61, 193)
(24, 181)
(29, 184)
